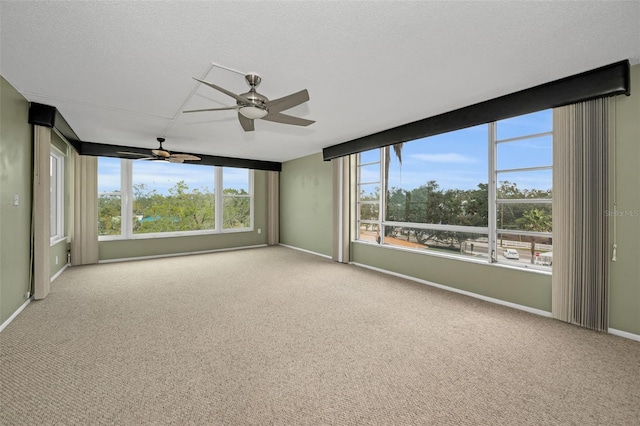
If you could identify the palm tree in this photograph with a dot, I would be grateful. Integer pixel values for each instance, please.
(397, 149)
(534, 220)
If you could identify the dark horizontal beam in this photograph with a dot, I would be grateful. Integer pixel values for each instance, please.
(105, 150)
(49, 116)
(610, 80)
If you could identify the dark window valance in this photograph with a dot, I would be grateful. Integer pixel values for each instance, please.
(105, 150)
(613, 79)
(49, 116)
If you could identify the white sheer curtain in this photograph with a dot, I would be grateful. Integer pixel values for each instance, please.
(580, 197)
(84, 229)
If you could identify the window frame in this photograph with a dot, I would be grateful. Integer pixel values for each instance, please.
(56, 184)
(127, 199)
(495, 202)
(491, 231)
(359, 202)
(219, 189)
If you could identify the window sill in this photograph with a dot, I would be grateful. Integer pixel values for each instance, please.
(171, 234)
(56, 241)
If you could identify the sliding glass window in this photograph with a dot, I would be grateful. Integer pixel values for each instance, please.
(480, 193)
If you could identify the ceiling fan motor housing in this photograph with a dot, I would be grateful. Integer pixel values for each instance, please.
(161, 151)
(258, 106)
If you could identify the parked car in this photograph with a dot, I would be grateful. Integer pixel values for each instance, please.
(511, 254)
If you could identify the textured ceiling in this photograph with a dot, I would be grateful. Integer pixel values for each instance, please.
(121, 72)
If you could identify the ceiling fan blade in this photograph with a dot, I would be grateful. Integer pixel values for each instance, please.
(160, 153)
(225, 91)
(211, 109)
(246, 123)
(175, 160)
(287, 102)
(133, 154)
(287, 119)
(183, 157)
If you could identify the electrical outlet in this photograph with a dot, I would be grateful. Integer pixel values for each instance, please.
(56, 260)
(16, 200)
(27, 295)
(259, 230)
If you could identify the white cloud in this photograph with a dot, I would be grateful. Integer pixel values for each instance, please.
(450, 157)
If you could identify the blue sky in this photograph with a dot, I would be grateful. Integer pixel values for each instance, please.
(459, 160)
(162, 175)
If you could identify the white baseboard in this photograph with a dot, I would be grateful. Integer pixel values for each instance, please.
(157, 256)
(306, 251)
(24, 305)
(57, 274)
(15, 314)
(625, 334)
(455, 290)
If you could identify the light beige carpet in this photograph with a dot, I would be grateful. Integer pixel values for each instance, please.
(277, 336)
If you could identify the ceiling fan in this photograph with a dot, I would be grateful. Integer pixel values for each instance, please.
(161, 154)
(253, 105)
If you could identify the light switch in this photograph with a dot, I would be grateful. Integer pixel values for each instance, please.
(16, 200)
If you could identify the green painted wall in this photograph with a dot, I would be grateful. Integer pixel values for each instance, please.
(526, 288)
(58, 250)
(122, 249)
(306, 204)
(625, 272)
(15, 178)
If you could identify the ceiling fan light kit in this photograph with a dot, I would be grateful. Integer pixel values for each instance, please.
(253, 112)
(254, 106)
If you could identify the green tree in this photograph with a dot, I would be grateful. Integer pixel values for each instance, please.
(508, 214)
(180, 210)
(109, 214)
(534, 220)
(369, 206)
(237, 208)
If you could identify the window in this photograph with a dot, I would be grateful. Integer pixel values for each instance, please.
(140, 199)
(523, 175)
(478, 193)
(109, 196)
(236, 198)
(369, 195)
(56, 189)
(172, 197)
